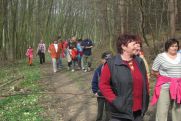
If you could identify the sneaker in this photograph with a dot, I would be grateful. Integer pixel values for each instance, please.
(73, 70)
(85, 70)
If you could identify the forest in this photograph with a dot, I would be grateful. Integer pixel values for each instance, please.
(35, 93)
(25, 22)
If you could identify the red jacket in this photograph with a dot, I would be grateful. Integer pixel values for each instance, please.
(74, 53)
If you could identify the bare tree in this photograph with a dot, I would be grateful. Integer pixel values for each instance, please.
(25, 22)
(172, 13)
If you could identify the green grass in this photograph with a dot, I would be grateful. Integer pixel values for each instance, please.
(21, 107)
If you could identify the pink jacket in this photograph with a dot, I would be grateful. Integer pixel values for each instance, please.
(29, 53)
(175, 88)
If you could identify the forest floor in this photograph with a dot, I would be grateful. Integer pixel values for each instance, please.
(69, 96)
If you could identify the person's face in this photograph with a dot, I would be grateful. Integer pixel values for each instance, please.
(130, 48)
(55, 42)
(73, 39)
(173, 49)
(138, 49)
(103, 61)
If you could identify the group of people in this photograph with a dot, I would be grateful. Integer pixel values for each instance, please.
(121, 82)
(77, 52)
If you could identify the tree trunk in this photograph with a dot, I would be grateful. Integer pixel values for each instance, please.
(172, 17)
(122, 15)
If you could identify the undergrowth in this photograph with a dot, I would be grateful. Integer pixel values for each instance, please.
(21, 101)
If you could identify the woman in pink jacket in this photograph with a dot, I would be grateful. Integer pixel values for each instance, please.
(167, 92)
(29, 54)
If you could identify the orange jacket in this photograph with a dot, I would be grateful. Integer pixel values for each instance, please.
(53, 52)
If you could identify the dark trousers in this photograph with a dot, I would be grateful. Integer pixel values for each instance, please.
(69, 64)
(137, 117)
(103, 113)
(42, 58)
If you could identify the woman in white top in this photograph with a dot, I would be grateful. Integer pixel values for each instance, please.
(167, 68)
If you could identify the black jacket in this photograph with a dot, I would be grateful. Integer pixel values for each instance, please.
(121, 83)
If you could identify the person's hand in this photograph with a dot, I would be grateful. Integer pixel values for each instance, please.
(96, 94)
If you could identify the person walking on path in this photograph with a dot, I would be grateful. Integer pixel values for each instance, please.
(60, 42)
(67, 52)
(101, 102)
(123, 82)
(73, 53)
(87, 54)
(60, 63)
(29, 54)
(167, 68)
(80, 53)
(41, 50)
(54, 50)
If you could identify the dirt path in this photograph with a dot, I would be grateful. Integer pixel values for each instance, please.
(73, 100)
(69, 96)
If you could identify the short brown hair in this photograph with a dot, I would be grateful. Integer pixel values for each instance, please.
(124, 39)
(170, 42)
